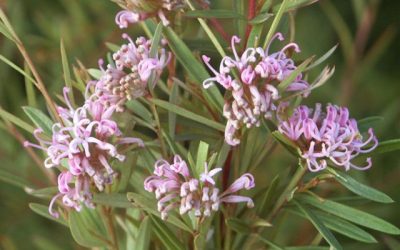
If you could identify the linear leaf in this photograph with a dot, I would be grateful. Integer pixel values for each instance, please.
(17, 121)
(165, 235)
(17, 68)
(66, 70)
(387, 146)
(289, 79)
(173, 99)
(193, 67)
(275, 23)
(188, 114)
(44, 211)
(112, 200)
(12, 179)
(87, 228)
(150, 207)
(202, 153)
(368, 122)
(328, 236)
(351, 214)
(322, 58)
(144, 233)
(39, 119)
(359, 188)
(341, 226)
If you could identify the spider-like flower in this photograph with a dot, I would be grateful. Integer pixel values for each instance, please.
(85, 143)
(175, 187)
(327, 136)
(130, 76)
(139, 10)
(252, 80)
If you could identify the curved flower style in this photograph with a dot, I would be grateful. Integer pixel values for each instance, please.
(139, 10)
(252, 79)
(327, 136)
(130, 76)
(85, 141)
(175, 187)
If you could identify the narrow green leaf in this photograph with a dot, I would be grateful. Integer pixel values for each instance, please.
(30, 89)
(165, 235)
(139, 109)
(387, 146)
(17, 121)
(95, 73)
(220, 14)
(201, 159)
(346, 228)
(87, 228)
(261, 18)
(289, 79)
(66, 70)
(328, 236)
(238, 225)
(266, 199)
(322, 58)
(173, 99)
(285, 142)
(352, 214)
(341, 226)
(193, 67)
(42, 193)
(275, 23)
(188, 114)
(5, 32)
(368, 122)
(112, 200)
(268, 242)
(150, 207)
(39, 119)
(294, 4)
(144, 233)
(12, 179)
(17, 68)
(359, 188)
(44, 211)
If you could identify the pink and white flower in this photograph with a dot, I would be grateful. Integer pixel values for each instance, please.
(175, 187)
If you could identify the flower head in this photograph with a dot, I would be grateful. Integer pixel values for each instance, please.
(85, 142)
(174, 187)
(130, 76)
(251, 78)
(327, 136)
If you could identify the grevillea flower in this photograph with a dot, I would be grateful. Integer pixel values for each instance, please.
(139, 10)
(130, 76)
(327, 136)
(85, 143)
(174, 187)
(252, 78)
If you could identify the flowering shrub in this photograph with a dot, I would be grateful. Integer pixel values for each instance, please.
(208, 136)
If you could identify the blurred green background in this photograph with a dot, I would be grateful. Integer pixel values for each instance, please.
(367, 79)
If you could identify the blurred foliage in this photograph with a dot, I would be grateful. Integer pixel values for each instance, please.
(367, 79)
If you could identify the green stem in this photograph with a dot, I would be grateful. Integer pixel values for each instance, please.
(209, 32)
(289, 188)
(159, 132)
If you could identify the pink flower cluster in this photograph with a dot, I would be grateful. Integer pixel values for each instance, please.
(327, 136)
(174, 187)
(83, 146)
(132, 73)
(252, 79)
(142, 9)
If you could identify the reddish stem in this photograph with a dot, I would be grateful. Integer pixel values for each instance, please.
(215, 23)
